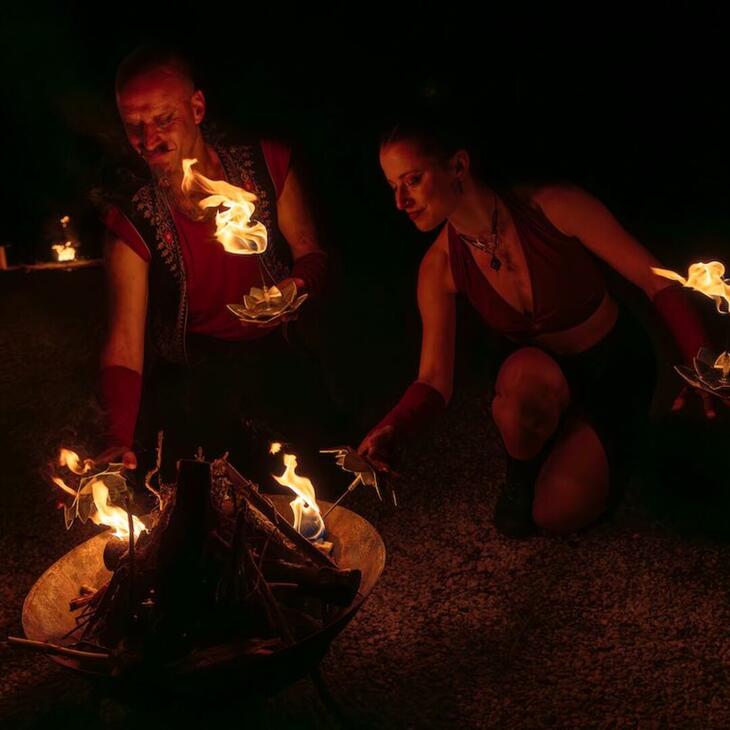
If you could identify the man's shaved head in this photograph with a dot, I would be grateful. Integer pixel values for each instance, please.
(153, 58)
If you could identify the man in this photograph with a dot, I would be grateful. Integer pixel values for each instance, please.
(170, 280)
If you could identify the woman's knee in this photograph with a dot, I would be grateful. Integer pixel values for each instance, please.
(531, 394)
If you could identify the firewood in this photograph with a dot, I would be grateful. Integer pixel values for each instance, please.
(331, 585)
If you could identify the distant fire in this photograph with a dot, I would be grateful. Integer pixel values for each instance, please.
(65, 251)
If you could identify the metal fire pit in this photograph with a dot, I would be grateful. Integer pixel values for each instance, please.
(357, 544)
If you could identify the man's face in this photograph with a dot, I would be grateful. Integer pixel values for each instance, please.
(161, 112)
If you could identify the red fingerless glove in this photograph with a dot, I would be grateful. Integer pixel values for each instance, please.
(420, 405)
(312, 268)
(121, 389)
(682, 320)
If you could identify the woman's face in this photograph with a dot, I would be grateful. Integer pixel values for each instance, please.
(425, 188)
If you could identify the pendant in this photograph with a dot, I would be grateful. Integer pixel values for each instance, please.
(495, 263)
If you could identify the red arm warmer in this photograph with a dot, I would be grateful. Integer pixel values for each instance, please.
(312, 268)
(420, 405)
(682, 320)
(121, 389)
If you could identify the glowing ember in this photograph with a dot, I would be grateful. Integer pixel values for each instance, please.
(93, 497)
(275, 448)
(233, 220)
(307, 518)
(705, 278)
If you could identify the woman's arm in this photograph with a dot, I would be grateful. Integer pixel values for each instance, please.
(577, 213)
(426, 398)
(437, 305)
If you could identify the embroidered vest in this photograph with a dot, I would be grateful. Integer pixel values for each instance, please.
(167, 311)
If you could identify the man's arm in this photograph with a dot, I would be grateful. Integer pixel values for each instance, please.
(297, 227)
(122, 355)
(127, 303)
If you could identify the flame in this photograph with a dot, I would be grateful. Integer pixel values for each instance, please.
(114, 517)
(723, 363)
(307, 518)
(64, 251)
(233, 222)
(71, 459)
(275, 448)
(705, 278)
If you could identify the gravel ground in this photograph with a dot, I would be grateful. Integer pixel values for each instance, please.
(622, 626)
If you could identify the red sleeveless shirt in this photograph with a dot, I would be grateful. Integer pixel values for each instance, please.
(567, 283)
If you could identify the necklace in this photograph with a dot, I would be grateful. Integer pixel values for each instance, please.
(491, 244)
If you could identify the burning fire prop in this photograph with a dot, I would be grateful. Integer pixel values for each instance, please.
(710, 373)
(234, 229)
(96, 495)
(217, 576)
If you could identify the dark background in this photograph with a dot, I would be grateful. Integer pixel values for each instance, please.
(630, 101)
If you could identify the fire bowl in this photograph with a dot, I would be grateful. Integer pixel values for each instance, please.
(356, 544)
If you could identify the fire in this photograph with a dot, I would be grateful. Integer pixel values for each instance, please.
(723, 363)
(71, 459)
(64, 251)
(275, 448)
(307, 518)
(111, 516)
(705, 278)
(233, 220)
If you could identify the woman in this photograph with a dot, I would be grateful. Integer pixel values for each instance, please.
(526, 259)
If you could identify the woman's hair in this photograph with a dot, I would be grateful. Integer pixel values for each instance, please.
(433, 132)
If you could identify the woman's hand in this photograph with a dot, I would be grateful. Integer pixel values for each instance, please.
(709, 401)
(117, 455)
(378, 447)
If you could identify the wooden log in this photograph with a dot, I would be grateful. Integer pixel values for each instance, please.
(331, 585)
(182, 589)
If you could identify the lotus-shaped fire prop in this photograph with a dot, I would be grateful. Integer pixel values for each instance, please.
(709, 372)
(97, 495)
(268, 304)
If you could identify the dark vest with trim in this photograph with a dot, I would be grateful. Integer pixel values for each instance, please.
(167, 310)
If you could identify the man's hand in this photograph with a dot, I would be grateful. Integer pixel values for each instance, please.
(709, 401)
(287, 316)
(116, 455)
